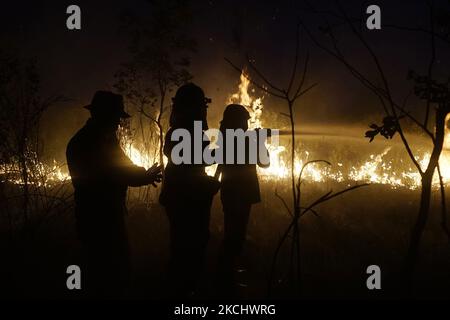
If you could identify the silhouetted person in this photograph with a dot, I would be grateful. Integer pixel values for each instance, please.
(239, 190)
(101, 174)
(186, 194)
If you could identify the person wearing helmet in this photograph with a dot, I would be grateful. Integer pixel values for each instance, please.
(101, 174)
(187, 194)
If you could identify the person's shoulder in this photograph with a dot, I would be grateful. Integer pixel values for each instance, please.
(170, 131)
(81, 137)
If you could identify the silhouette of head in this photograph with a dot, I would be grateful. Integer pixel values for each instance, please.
(107, 109)
(189, 105)
(235, 116)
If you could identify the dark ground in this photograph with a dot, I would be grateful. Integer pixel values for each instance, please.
(368, 226)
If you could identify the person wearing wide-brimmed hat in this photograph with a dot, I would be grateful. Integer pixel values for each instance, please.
(101, 173)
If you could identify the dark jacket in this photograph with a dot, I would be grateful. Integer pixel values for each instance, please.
(186, 183)
(239, 182)
(101, 174)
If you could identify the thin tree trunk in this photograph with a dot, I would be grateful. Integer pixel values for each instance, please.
(419, 226)
(160, 127)
(295, 258)
(425, 198)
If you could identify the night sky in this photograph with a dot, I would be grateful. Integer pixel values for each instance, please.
(77, 63)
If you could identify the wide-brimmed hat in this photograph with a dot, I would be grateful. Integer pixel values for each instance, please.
(107, 103)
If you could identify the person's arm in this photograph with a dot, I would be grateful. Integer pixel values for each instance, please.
(124, 171)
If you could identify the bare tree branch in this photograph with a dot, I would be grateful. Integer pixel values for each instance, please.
(254, 82)
(296, 57)
(259, 73)
(284, 202)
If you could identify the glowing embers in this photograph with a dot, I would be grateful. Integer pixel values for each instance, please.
(37, 173)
